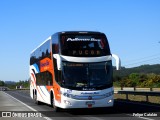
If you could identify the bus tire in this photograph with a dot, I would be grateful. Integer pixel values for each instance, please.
(55, 108)
(35, 99)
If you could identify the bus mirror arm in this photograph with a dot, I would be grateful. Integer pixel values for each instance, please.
(118, 61)
(58, 58)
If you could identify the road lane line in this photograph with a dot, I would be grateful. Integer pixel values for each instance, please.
(146, 118)
(47, 118)
(21, 102)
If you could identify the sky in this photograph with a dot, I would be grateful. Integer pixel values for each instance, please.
(131, 26)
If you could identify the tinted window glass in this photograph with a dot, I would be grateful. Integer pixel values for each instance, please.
(84, 45)
(87, 75)
(44, 78)
(40, 53)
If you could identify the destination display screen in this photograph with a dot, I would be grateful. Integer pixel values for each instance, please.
(84, 45)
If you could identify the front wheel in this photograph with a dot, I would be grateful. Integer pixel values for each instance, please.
(56, 109)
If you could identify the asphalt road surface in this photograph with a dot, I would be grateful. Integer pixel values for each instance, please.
(122, 110)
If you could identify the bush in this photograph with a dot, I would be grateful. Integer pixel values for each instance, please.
(139, 80)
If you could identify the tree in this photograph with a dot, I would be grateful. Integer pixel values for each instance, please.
(25, 83)
(134, 78)
(2, 83)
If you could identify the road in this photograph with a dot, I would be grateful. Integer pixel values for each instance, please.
(121, 111)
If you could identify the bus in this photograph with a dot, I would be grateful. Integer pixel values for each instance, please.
(73, 69)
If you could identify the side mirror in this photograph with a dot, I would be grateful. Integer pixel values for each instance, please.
(58, 58)
(118, 61)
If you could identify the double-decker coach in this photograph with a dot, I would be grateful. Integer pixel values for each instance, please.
(73, 69)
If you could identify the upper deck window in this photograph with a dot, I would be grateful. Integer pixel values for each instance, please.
(92, 45)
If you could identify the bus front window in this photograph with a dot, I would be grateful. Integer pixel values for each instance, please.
(87, 75)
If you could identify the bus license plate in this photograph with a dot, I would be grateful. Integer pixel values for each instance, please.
(90, 102)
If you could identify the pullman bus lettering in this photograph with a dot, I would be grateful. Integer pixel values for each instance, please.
(80, 39)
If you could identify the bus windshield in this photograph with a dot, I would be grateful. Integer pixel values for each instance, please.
(84, 45)
(87, 76)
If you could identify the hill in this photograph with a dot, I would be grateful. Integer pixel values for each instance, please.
(10, 82)
(142, 76)
(143, 69)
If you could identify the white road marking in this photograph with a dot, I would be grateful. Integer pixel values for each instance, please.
(47, 118)
(146, 118)
(21, 102)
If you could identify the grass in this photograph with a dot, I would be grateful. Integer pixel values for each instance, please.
(138, 98)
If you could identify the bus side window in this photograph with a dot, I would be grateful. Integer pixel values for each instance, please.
(44, 78)
(49, 78)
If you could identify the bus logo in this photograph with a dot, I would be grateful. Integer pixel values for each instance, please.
(89, 97)
(45, 64)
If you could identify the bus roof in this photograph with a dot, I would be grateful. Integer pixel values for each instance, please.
(80, 32)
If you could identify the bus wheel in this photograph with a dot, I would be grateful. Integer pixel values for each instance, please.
(35, 100)
(55, 108)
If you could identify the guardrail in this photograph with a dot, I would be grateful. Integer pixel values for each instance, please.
(145, 93)
(21, 88)
(116, 89)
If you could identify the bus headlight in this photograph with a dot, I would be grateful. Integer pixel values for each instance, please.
(67, 102)
(67, 95)
(110, 101)
(109, 94)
